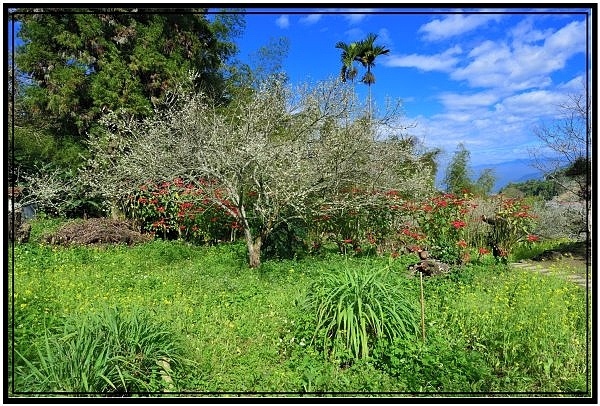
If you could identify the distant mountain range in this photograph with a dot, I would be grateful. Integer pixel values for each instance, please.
(518, 170)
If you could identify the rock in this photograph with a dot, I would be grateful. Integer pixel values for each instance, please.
(430, 267)
(548, 256)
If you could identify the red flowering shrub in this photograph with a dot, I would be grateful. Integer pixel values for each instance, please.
(442, 220)
(511, 225)
(371, 226)
(190, 211)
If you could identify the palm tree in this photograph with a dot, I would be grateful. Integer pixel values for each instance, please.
(350, 54)
(368, 52)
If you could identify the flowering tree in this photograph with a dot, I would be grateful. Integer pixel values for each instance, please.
(291, 149)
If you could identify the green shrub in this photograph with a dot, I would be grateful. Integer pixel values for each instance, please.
(110, 352)
(355, 307)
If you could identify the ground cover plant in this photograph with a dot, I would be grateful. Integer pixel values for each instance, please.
(489, 328)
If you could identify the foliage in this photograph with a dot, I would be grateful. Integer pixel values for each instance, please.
(546, 189)
(109, 352)
(174, 209)
(57, 191)
(441, 222)
(34, 148)
(357, 307)
(81, 63)
(292, 147)
(513, 224)
(458, 175)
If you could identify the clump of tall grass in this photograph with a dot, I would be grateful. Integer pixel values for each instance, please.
(354, 307)
(111, 352)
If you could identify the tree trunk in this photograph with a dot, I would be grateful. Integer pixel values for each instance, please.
(254, 252)
(254, 245)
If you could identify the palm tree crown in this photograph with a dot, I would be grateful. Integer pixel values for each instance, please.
(368, 53)
(350, 54)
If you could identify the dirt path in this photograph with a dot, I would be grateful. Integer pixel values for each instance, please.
(544, 269)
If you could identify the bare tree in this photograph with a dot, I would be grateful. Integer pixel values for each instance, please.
(565, 155)
(291, 147)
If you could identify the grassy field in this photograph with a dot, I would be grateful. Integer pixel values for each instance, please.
(224, 328)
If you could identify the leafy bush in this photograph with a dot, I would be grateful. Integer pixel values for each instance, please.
(110, 352)
(513, 224)
(355, 307)
(182, 210)
(286, 241)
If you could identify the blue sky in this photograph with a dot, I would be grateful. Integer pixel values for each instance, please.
(469, 76)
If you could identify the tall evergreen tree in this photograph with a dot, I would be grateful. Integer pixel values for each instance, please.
(83, 62)
(458, 173)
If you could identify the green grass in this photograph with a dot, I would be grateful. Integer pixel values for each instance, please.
(243, 330)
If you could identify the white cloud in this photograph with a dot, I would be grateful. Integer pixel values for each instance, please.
(456, 101)
(455, 24)
(491, 126)
(311, 19)
(443, 62)
(283, 21)
(539, 103)
(521, 65)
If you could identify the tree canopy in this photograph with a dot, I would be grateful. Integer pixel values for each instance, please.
(80, 63)
(294, 149)
(458, 175)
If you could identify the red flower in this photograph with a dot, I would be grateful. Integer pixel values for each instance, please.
(442, 203)
(462, 244)
(160, 209)
(348, 241)
(532, 238)
(483, 251)
(142, 200)
(458, 224)
(427, 208)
